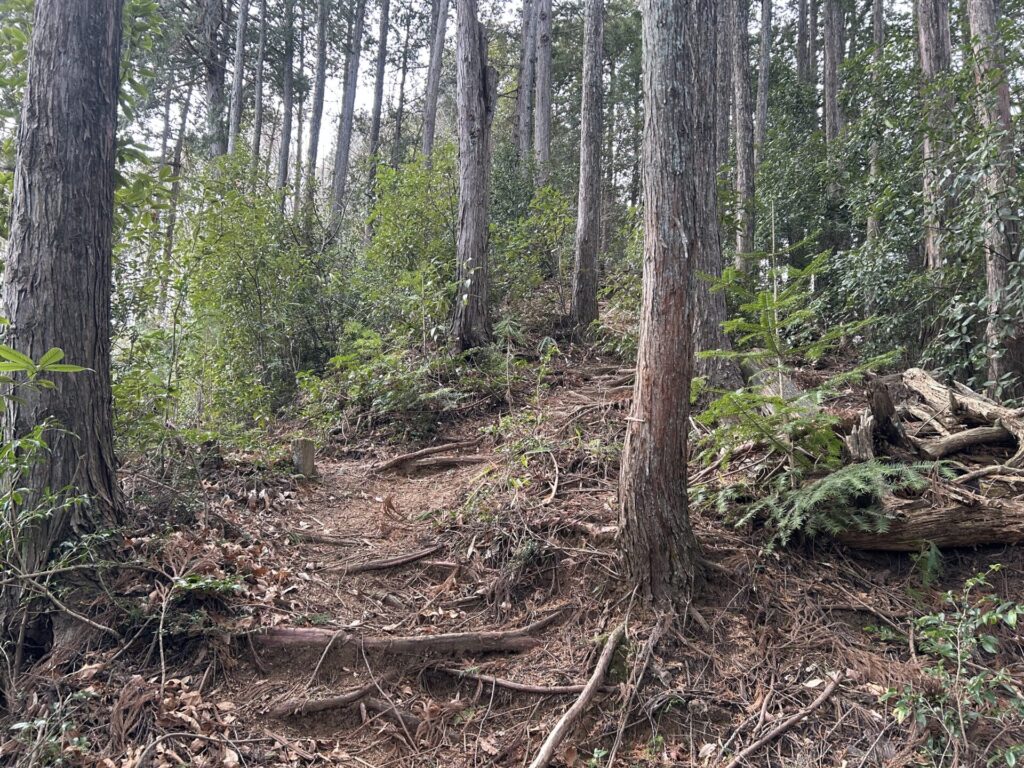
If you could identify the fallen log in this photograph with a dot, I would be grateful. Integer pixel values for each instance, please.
(947, 516)
(959, 441)
(487, 641)
(962, 401)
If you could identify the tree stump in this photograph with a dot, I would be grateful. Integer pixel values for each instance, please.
(303, 452)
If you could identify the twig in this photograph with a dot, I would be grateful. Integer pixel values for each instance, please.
(786, 725)
(383, 563)
(566, 722)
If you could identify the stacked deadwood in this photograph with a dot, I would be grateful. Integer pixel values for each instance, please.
(981, 440)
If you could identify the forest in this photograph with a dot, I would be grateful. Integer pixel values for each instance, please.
(571, 383)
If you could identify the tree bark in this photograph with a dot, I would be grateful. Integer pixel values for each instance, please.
(527, 71)
(660, 551)
(398, 148)
(588, 220)
(763, 77)
(172, 205)
(56, 283)
(477, 85)
(878, 39)
(812, 42)
(744, 119)
(803, 68)
(935, 49)
(433, 78)
(319, 84)
(724, 92)
(215, 73)
(287, 96)
(238, 76)
(348, 108)
(257, 120)
(378, 81)
(542, 101)
(833, 58)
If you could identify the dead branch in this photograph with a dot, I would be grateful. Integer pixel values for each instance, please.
(407, 457)
(383, 563)
(439, 462)
(313, 638)
(566, 721)
(780, 729)
(958, 441)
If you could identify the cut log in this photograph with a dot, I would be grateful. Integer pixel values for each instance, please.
(303, 457)
(964, 402)
(489, 641)
(949, 515)
(959, 441)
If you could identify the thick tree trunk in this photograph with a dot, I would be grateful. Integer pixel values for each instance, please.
(1005, 335)
(763, 77)
(833, 58)
(56, 282)
(215, 73)
(542, 101)
(257, 119)
(348, 109)
(813, 27)
(477, 85)
(238, 76)
(744, 120)
(588, 220)
(433, 77)
(878, 39)
(803, 68)
(319, 84)
(935, 50)
(660, 551)
(287, 96)
(724, 89)
(527, 69)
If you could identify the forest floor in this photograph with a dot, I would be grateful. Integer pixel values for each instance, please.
(293, 634)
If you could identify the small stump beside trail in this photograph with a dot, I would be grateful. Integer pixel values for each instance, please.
(303, 452)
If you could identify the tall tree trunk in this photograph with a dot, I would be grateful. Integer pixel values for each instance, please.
(878, 39)
(527, 69)
(724, 89)
(588, 220)
(763, 77)
(935, 48)
(833, 58)
(803, 67)
(300, 112)
(56, 282)
(660, 551)
(348, 109)
(378, 81)
(477, 92)
(287, 96)
(433, 77)
(813, 28)
(542, 101)
(398, 148)
(257, 119)
(238, 76)
(215, 73)
(1005, 335)
(172, 205)
(744, 120)
(319, 85)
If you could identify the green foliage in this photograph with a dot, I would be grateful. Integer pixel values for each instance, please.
(967, 694)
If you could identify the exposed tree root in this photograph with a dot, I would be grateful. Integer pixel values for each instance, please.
(405, 458)
(384, 563)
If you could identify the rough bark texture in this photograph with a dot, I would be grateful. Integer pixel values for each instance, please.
(724, 90)
(659, 548)
(257, 119)
(287, 96)
(319, 83)
(527, 69)
(378, 81)
(215, 73)
(238, 76)
(399, 147)
(1005, 335)
(477, 85)
(744, 120)
(812, 42)
(57, 276)
(763, 72)
(935, 50)
(542, 108)
(833, 58)
(803, 68)
(433, 78)
(878, 39)
(588, 220)
(348, 109)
